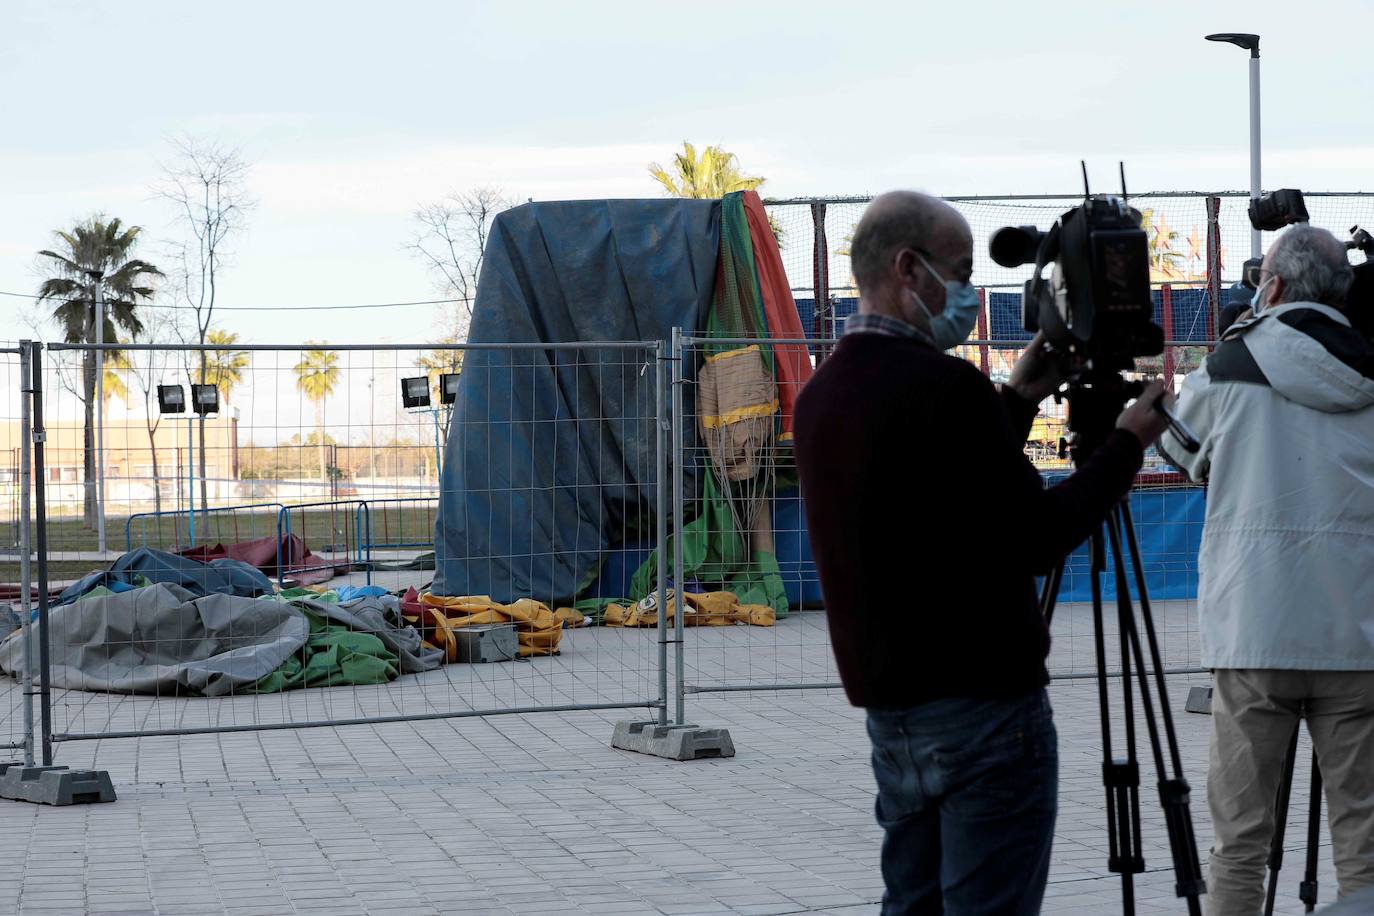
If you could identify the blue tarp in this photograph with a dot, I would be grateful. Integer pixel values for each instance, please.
(1189, 308)
(218, 577)
(550, 455)
(1168, 524)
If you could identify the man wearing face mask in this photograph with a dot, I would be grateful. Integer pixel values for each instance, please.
(1284, 410)
(928, 525)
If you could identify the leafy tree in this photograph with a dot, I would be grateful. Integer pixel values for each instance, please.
(711, 174)
(317, 375)
(95, 249)
(223, 367)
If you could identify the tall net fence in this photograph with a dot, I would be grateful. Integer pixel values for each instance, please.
(1196, 239)
(277, 562)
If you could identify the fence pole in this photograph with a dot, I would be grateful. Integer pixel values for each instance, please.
(661, 426)
(99, 358)
(26, 545)
(983, 330)
(679, 574)
(1213, 266)
(820, 275)
(1166, 305)
(191, 481)
(41, 530)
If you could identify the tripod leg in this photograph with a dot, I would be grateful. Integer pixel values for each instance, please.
(1280, 823)
(1117, 776)
(1174, 791)
(1307, 891)
(1050, 591)
(1123, 773)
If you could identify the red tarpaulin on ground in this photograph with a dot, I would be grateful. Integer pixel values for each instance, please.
(302, 566)
(779, 309)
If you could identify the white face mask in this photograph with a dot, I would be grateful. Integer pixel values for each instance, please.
(1256, 301)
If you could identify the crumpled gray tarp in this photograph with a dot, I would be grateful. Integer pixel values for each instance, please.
(163, 639)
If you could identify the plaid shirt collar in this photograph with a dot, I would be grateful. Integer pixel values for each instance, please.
(871, 323)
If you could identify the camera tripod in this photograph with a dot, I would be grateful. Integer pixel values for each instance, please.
(1307, 890)
(1095, 400)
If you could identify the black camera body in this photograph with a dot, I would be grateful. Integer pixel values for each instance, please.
(1095, 307)
(1277, 209)
(1286, 207)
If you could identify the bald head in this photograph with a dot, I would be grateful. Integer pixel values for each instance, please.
(902, 220)
(1307, 264)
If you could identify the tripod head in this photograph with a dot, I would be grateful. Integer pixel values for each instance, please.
(1096, 397)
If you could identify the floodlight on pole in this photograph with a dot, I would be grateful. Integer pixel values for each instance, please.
(205, 399)
(1250, 42)
(448, 387)
(171, 399)
(415, 392)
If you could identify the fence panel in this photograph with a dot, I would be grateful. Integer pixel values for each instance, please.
(333, 635)
(16, 568)
(795, 653)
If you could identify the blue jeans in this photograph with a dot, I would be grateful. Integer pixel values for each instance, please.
(967, 794)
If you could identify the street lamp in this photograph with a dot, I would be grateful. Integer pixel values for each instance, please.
(171, 399)
(205, 399)
(448, 387)
(1250, 42)
(415, 392)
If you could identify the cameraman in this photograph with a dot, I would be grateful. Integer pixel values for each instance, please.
(912, 466)
(1284, 409)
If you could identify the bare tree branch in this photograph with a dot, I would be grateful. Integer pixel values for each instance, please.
(451, 242)
(206, 184)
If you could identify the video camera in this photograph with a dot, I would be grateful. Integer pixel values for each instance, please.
(1095, 307)
(1286, 207)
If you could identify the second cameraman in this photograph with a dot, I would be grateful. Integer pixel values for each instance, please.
(1284, 409)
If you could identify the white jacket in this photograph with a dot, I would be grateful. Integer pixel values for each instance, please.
(1282, 408)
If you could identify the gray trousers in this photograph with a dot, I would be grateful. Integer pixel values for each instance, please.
(1254, 713)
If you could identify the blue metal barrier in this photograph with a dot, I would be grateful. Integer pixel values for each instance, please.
(363, 525)
(169, 513)
(284, 564)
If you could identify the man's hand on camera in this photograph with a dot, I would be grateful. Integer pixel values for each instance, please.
(1142, 418)
(1035, 376)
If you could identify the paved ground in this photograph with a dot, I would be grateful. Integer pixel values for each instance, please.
(536, 813)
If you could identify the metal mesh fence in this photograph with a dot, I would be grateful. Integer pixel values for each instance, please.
(317, 606)
(1188, 232)
(795, 651)
(16, 728)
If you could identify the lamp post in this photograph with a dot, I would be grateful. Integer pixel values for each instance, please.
(204, 400)
(1251, 43)
(415, 396)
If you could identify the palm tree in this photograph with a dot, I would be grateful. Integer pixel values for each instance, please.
(95, 250)
(224, 366)
(316, 375)
(1166, 263)
(712, 174)
(117, 366)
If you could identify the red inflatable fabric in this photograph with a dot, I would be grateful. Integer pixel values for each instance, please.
(779, 309)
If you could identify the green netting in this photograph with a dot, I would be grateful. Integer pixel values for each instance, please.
(715, 552)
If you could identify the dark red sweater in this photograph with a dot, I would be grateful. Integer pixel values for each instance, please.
(928, 523)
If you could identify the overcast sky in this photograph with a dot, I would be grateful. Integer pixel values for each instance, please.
(352, 114)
